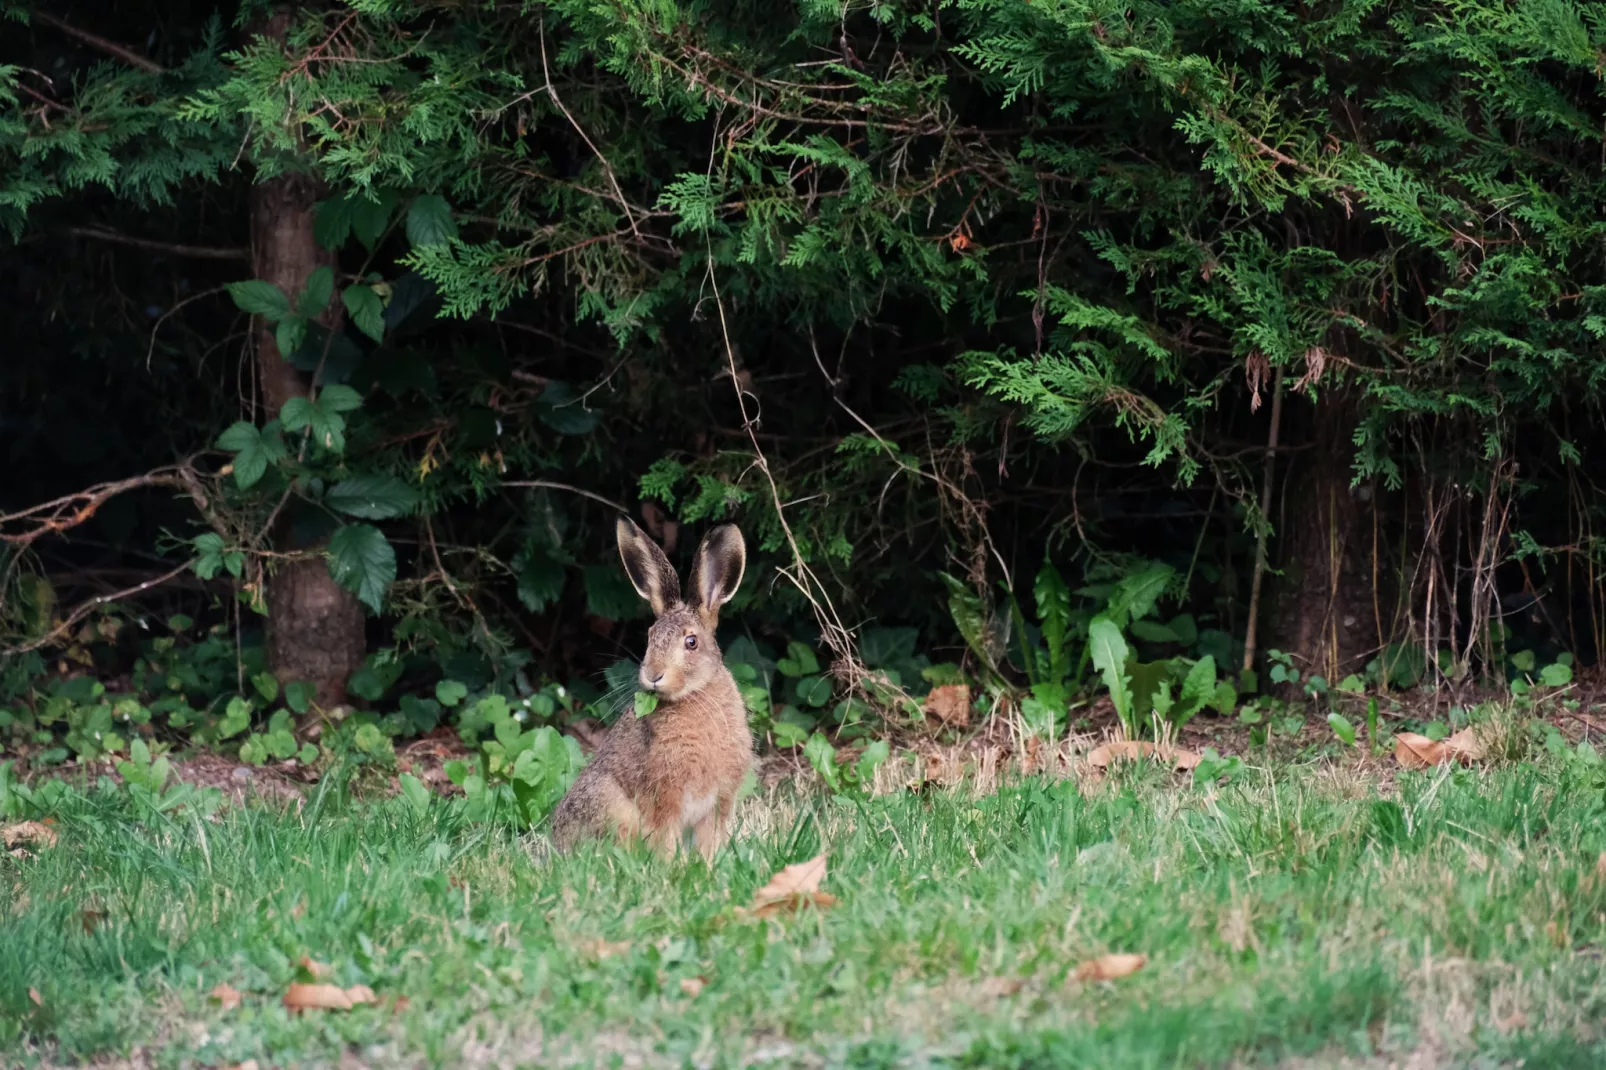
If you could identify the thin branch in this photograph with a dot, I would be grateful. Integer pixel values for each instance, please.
(90, 606)
(111, 48)
(546, 484)
(607, 168)
(196, 252)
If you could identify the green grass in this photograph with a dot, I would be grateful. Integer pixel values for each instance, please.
(1295, 919)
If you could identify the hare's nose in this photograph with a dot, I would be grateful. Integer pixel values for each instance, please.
(651, 682)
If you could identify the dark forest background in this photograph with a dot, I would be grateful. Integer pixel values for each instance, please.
(335, 333)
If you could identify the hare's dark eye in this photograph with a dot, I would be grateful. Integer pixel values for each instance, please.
(691, 642)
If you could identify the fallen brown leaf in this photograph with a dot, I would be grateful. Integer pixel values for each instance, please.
(28, 834)
(249, 1064)
(33, 994)
(1133, 749)
(1001, 986)
(950, 704)
(1465, 745)
(1417, 752)
(1109, 967)
(91, 918)
(326, 997)
(792, 887)
(225, 996)
(693, 986)
(319, 971)
(601, 949)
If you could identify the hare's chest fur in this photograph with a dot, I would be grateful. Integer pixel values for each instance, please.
(695, 808)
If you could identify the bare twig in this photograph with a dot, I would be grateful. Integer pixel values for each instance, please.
(195, 252)
(86, 608)
(607, 168)
(111, 48)
(1270, 465)
(547, 484)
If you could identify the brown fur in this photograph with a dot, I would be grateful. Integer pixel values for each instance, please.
(680, 767)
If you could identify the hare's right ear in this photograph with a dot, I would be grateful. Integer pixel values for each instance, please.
(649, 570)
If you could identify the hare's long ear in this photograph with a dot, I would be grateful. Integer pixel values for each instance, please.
(649, 570)
(721, 560)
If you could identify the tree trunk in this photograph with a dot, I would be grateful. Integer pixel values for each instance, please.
(1327, 617)
(315, 628)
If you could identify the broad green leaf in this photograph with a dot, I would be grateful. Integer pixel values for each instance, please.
(260, 298)
(645, 703)
(298, 695)
(449, 693)
(363, 562)
(1199, 686)
(338, 397)
(251, 454)
(372, 497)
(1556, 675)
(367, 311)
(814, 690)
(539, 578)
(315, 295)
(873, 756)
(236, 718)
(429, 220)
(417, 795)
(1135, 596)
(267, 685)
(331, 223)
(1342, 729)
(1151, 631)
(1109, 653)
(369, 214)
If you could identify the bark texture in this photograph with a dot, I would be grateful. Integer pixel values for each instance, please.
(1327, 616)
(315, 628)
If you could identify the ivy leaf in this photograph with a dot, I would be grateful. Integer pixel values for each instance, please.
(429, 221)
(366, 310)
(361, 561)
(372, 497)
(260, 298)
(316, 293)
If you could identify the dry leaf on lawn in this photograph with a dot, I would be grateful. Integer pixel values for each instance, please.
(319, 971)
(1133, 749)
(28, 834)
(1465, 745)
(792, 887)
(33, 994)
(225, 996)
(601, 949)
(693, 986)
(950, 704)
(1417, 752)
(1001, 986)
(1109, 967)
(326, 997)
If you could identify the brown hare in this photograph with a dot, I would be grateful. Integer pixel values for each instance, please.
(679, 767)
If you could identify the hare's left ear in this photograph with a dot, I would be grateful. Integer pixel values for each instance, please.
(717, 572)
